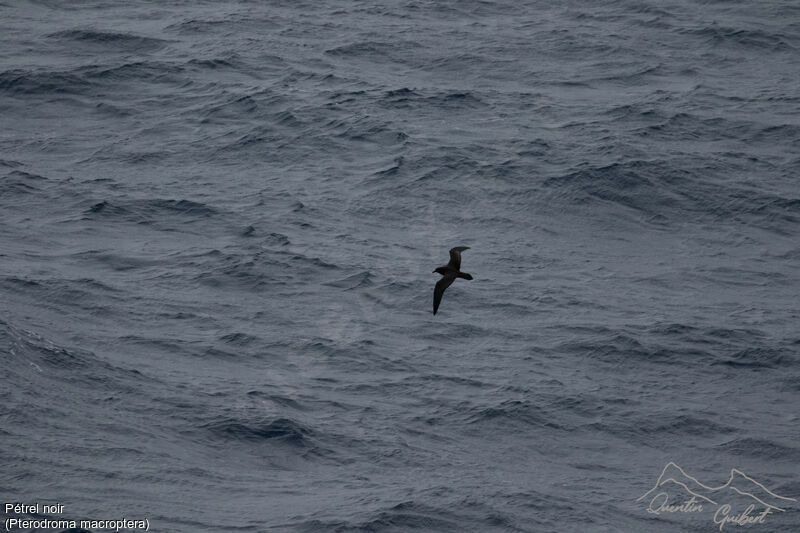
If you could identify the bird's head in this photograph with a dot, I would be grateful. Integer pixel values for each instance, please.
(440, 270)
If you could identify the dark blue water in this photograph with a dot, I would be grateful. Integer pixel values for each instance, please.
(218, 226)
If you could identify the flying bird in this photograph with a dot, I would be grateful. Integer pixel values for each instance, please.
(449, 272)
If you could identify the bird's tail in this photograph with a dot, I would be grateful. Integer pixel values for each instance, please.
(464, 275)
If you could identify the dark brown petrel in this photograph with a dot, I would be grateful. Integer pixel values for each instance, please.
(450, 272)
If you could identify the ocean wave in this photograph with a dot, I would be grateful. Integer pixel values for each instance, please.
(398, 517)
(644, 186)
(649, 429)
(84, 293)
(418, 99)
(7, 163)
(756, 39)
(233, 22)
(266, 268)
(759, 357)
(355, 281)
(659, 192)
(41, 352)
(214, 64)
(398, 51)
(20, 82)
(136, 71)
(458, 515)
(239, 339)
(109, 39)
(274, 399)
(513, 413)
(148, 211)
(761, 449)
(19, 183)
(282, 430)
(35, 361)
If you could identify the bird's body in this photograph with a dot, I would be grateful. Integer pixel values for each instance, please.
(449, 272)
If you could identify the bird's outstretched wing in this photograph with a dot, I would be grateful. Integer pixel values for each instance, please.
(455, 256)
(438, 290)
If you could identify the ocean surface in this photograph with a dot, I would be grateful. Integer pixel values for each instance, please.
(219, 221)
